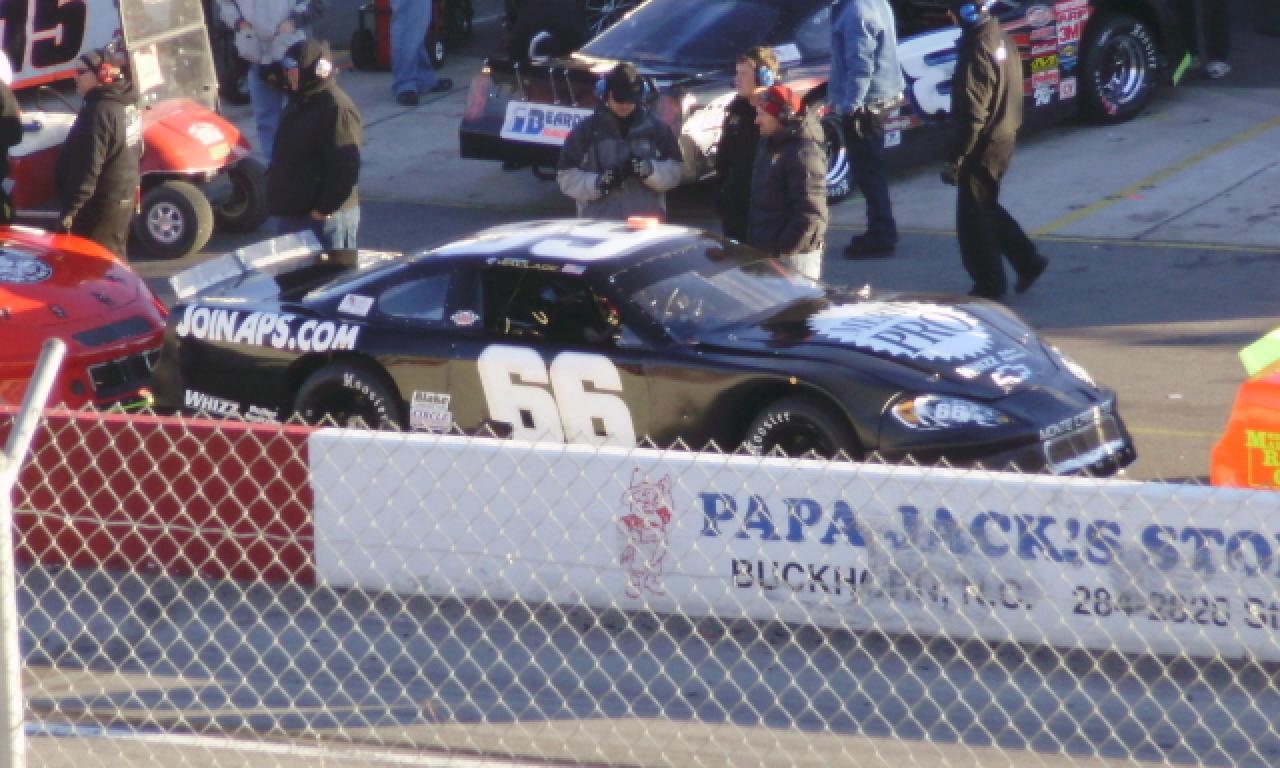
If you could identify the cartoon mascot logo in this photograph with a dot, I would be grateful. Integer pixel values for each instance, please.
(644, 533)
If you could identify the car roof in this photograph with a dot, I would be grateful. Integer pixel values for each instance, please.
(580, 242)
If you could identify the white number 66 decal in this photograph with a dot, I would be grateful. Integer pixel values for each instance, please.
(515, 382)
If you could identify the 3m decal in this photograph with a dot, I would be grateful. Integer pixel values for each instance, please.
(22, 268)
(429, 411)
(355, 304)
(574, 400)
(913, 330)
(266, 329)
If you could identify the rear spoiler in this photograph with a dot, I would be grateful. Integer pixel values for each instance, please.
(278, 256)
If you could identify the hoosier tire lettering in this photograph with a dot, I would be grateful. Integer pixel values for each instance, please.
(350, 395)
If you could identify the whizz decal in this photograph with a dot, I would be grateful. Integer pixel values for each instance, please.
(575, 399)
(913, 330)
(266, 329)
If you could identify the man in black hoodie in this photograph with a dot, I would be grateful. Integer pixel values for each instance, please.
(315, 163)
(789, 185)
(986, 105)
(739, 136)
(97, 172)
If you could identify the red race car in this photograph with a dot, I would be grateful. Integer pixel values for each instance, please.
(72, 288)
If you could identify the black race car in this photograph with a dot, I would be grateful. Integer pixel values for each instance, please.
(1100, 58)
(629, 333)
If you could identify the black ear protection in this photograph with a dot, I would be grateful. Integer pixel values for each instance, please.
(765, 77)
(968, 13)
(602, 89)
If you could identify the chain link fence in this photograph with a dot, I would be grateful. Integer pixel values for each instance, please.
(208, 593)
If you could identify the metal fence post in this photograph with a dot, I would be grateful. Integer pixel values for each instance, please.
(13, 753)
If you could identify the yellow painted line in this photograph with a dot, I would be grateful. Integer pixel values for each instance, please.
(1170, 432)
(1157, 177)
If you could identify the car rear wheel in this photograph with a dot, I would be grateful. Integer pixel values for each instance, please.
(1119, 68)
(349, 395)
(246, 209)
(176, 220)
(801, 426)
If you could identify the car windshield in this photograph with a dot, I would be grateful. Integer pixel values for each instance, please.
(703, 295)
(703, 33)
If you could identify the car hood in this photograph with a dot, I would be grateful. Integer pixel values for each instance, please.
(42, 286)
(978, 347)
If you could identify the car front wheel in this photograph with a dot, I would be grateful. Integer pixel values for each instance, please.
(349, 395)
(1121, 60)
(802, 427)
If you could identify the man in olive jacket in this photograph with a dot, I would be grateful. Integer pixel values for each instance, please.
(986, 105)
(789, 186)
(315, 165)
(97, 172)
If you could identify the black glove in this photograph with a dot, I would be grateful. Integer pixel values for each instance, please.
(855, 123)
(64, 224)
(607, 181)
(949, 173)
(642, 169)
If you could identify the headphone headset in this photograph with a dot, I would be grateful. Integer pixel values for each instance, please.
(765, 76)
(968, 13)
(602, 89)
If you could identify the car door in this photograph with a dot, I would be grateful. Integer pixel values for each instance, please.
(548, 364)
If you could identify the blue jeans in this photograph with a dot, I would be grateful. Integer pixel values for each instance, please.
(864, 139)
(410, 65)
(335, 233)
(268, 105)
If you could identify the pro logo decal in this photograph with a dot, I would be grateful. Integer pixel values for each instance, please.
(912, 330)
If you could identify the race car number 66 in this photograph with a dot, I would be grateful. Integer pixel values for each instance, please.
(515, 382)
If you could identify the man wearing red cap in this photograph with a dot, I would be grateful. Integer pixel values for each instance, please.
(789, 184)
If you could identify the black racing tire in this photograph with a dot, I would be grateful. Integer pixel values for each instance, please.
(349, 394)
(802, 426)
(839, 172)
(364, 50)
(176, 220)
(246, 209)
(1119, 69)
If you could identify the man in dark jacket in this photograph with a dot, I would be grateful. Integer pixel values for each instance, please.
(986, 105)
(789, 187)
(97, 171)
(315, 165)
(10, 133)
(620, 161)
(736, 152)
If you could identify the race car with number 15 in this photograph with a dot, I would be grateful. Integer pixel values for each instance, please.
(627, 333)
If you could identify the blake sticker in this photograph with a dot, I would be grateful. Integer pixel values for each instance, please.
(355, 304)
(20, 268)
(914, 330)
(429, 412)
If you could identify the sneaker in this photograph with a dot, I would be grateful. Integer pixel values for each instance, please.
(442, 85)
(1026, 281)
(407, 99)
(1217, 69)
(867, 247)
